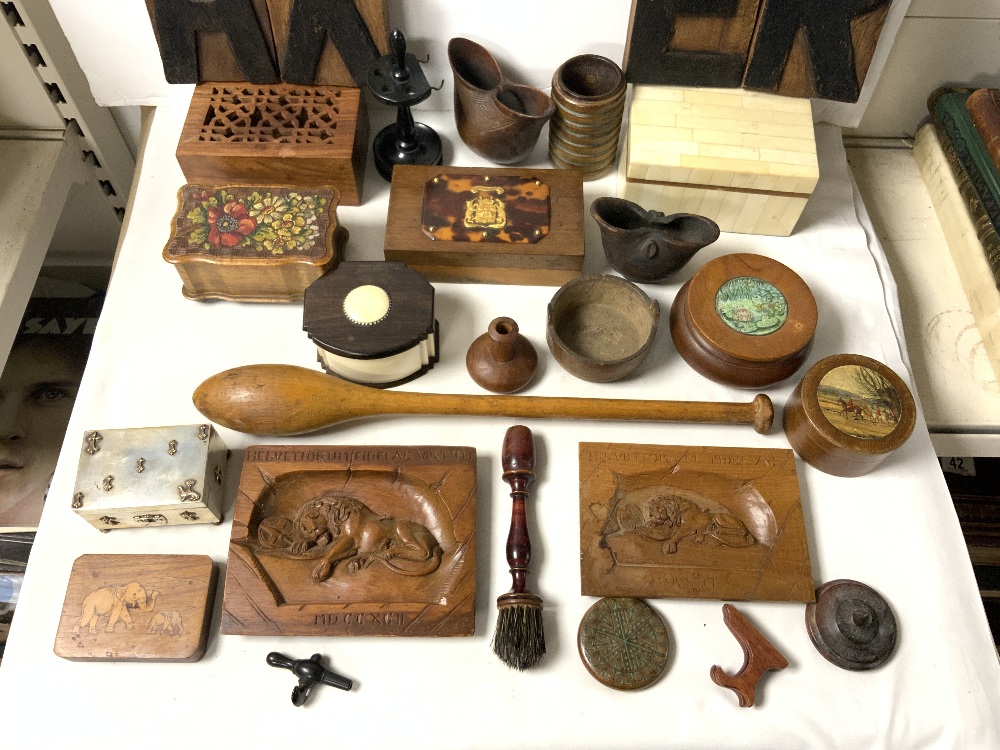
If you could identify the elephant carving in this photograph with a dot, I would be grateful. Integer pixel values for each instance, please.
(114, 602)
(166, 622)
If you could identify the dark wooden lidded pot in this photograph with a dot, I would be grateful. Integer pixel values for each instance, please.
(372, 322)
(848, 414)
(744, 320)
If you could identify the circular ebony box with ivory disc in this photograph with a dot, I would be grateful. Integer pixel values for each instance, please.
(744, 320)
(848, 414)
(372, 322)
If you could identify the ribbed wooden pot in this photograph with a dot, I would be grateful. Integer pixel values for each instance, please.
(589, 94)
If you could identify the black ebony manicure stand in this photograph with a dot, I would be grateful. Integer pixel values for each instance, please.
(397, 80)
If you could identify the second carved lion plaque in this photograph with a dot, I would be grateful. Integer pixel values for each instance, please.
(353, 540)
(692, 522)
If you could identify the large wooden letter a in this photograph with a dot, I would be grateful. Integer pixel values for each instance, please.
(182, 27)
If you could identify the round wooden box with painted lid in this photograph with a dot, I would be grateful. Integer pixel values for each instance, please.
(372, 322)
(848, 414)
(744, 320)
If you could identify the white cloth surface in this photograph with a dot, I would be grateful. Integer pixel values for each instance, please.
(894, 529)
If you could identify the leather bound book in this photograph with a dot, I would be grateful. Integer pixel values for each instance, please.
(984, 106)
(974, 170)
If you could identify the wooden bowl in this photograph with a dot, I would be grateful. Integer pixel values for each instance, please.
(744, 320)
(600, 328)
(848, 414)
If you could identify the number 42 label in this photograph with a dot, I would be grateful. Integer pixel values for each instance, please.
(964, 465)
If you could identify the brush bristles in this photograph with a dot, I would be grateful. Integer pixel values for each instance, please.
(519, 640)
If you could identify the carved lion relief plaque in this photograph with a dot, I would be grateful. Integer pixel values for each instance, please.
(692, 522)
(353, 540)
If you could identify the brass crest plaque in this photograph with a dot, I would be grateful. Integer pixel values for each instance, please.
(692, 522)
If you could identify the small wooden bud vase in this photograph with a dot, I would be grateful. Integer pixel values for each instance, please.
(848, 414)
(744, 320)
(248, 243)
(502, 360)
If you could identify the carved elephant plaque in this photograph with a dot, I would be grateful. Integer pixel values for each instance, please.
(353, 540)
(692, 522)
(137, 608)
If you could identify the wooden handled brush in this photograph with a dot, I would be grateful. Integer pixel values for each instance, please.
(519, 639)
(288, 400)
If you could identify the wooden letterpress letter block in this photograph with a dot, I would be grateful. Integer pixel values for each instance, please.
(330, 42)
(815, 48)
(689, 42)
(214, 40)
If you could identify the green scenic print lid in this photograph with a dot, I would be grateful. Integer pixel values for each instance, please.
(751, 306)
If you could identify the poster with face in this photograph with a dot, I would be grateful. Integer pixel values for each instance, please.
(37, 391)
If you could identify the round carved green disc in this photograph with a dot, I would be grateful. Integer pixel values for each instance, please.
(623, 643)
(752, 306)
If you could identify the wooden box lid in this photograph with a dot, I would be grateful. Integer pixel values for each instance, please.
(282, 119)
(489, 219)
(405, 318)
(744, 319)
(284, 134)
(722, 138)
(253, 225)
(137, 608)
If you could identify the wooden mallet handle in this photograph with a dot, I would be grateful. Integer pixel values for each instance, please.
(518, 461)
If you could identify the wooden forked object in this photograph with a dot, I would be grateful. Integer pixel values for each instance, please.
(289, 400)
(759, 656)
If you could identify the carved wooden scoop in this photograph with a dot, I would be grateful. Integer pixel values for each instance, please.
(288, 400)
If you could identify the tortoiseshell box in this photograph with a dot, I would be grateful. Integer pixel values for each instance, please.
(151, 476)
(487, 225)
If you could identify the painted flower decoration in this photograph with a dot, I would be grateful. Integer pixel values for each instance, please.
(268, 208)
(230, 224)
(258, 222)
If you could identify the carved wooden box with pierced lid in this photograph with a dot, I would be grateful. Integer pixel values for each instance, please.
(282, 134)
(151, 476)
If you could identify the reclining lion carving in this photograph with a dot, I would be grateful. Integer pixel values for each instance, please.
(350, 531)
(672, 518)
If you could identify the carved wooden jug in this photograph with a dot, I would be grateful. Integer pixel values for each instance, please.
(645, 245)
(498, 120)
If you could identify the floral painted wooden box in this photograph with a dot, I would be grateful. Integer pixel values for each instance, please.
(249, 243)
(151, 476)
